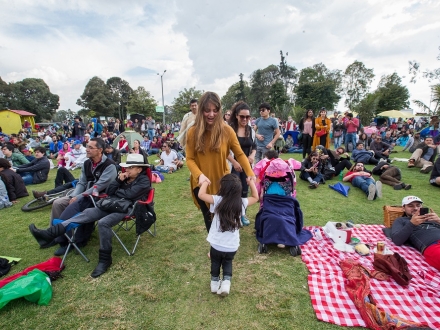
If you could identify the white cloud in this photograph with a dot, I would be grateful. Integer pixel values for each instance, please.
(208, 43)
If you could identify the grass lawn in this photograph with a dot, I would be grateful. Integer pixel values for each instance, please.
(165, 285)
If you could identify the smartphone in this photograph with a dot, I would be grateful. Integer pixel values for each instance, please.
(424, 210)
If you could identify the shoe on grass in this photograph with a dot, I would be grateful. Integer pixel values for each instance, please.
(399, 186)
(38, 194)
(411, 163)
(427, 169)
(281, 246)
(371, 191)
(215, 285)
(408, 187)
(379, 189)
(225, 287)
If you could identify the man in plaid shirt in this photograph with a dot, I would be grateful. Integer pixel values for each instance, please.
(145, 144)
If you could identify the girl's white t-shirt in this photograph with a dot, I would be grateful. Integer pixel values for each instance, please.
(227, 241)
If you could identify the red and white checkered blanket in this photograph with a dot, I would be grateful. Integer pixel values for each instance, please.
(418, 302)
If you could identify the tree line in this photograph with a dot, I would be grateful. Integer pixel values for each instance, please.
(289, 91)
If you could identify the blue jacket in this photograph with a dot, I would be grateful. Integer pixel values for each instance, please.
(55, 147)
(361, 156)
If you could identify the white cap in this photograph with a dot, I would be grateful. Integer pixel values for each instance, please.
(409, 199)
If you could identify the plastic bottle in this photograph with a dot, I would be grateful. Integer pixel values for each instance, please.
(317, 234)
(341, 175)
(95, 191)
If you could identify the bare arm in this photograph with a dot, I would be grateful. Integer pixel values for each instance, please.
(254, 193)
(203, 195)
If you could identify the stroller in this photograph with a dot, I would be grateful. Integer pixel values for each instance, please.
(280, 219)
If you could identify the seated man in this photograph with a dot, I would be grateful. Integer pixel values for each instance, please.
(132, 185)
(37, 170)
(288, 144)
(16, 158)
(412, 142)
(381, 149)
(112, 153)
(421, 231)
(435, 174)
(54, 147)
(169, 162)
(424, 155)
(363, 180)
(363, 156)
(390, 175)
(75, 157)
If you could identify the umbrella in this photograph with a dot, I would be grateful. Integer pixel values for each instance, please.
(340, 188)
(393, 114)
(130, 136)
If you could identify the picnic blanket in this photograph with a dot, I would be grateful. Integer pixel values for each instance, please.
(418, 302)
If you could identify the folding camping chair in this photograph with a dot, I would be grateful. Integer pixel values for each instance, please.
(131, 221)
(70, 239)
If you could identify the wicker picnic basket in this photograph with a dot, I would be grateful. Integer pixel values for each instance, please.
(391, 213)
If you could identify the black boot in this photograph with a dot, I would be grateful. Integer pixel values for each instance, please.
(104, 262)
(46, 237)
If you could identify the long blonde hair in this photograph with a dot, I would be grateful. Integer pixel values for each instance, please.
(201, 127)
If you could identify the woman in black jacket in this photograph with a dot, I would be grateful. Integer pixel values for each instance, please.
(37, 170)
(16, 187)
(133, 184)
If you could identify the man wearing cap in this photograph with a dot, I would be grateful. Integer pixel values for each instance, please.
(420, 231)
(75, 157)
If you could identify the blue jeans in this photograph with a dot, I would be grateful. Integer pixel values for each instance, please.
(350, 137)
(153, 151)
(338, 141)
(362, 183)
(27, 178)
(151, 133)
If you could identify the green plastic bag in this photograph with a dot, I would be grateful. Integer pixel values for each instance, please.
(34, 287)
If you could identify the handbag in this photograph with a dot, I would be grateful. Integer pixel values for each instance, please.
(321, 133)
(337, 133)
(299, 137)
(114, 204)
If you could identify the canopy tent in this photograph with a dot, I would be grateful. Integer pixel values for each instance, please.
(393, 114)
(130, 136)
(12, 120)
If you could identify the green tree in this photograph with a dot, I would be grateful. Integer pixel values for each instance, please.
(33, 95)
(356, 83)
(180, 104)
(318, 87)
(241, 93)
(233, 94)
(97, 97)
(260, 82)
(142, 102)
(367, 108)
(434, 106)
(393, 95)
(279, 100)
(62, 115)
(120, 91)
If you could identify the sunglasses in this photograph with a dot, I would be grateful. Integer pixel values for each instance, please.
(244, 117)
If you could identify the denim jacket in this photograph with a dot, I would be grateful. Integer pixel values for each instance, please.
(420, 237)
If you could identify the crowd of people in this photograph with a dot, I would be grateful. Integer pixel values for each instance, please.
(220, 152)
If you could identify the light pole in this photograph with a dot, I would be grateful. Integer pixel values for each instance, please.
(163, 102)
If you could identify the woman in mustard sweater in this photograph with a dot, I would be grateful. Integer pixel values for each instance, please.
(207, 149)
(323, 125)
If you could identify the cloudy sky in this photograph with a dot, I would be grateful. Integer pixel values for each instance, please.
(208, 43)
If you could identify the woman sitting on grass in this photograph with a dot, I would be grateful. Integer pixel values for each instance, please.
(311, 169)
(228, 206)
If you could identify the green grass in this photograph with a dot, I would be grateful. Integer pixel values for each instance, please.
(165, 285)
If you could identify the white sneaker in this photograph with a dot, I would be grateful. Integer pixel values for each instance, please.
(371, 191)
(225, 286)
(379, 189)
(215, 285)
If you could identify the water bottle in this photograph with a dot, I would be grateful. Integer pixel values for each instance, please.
(95, 191)
(341, 175)
(317, 234)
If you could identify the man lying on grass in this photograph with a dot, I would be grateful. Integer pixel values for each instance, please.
(418, 228)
